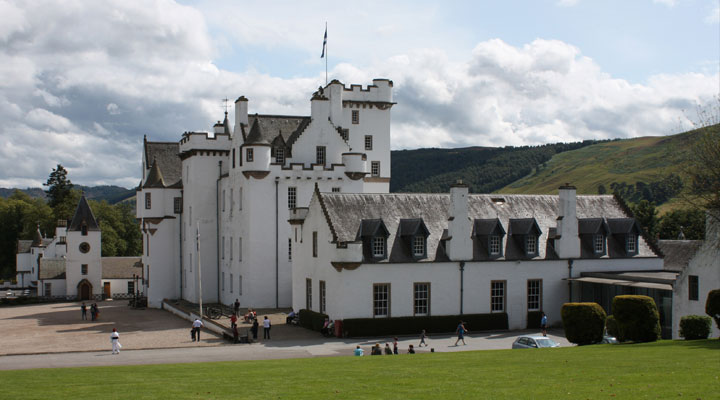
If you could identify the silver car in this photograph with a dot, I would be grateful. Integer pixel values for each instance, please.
(533, 342)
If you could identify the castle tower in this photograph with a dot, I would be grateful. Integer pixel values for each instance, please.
(83, 267)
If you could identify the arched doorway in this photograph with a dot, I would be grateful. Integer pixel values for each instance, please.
(84, 290)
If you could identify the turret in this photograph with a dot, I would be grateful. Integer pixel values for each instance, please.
(355, 165)
(256, 150)
(320, 106)
(241, 114)
(334, 92)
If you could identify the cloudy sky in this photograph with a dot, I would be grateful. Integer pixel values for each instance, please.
(81, 82)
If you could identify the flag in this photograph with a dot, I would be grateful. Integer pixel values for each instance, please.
(324, 44)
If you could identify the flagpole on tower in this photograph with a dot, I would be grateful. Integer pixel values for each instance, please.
(324, 53)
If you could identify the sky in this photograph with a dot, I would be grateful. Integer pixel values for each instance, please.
(81, 82)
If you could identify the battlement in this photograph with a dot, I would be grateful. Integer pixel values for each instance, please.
(204, 141)
(379, 91)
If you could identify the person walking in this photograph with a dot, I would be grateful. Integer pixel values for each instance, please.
(115, 340)
(237, 306)
(461, 330)
(543, 324)
(422, 339)
(93, 311)
(197, 324)
(395, 345)
(254, 329)
(266, 328)
(83, 308)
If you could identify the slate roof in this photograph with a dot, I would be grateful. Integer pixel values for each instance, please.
(83, 214)
(487, 226)
(167, 156)
(51, 268)
(590, 226)
(23, 246)
(121, 267)
(270, 126)
(155, 177)
(344, 211)
(678, 253)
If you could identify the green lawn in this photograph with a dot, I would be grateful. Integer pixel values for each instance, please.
(664, 369)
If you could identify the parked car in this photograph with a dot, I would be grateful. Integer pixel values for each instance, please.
(533, 342)
(607, 339)
(26, 292)
(9, 293)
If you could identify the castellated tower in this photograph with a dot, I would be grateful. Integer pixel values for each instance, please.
(239, 188)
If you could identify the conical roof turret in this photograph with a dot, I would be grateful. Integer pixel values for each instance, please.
(155, 177)
(255, 136)
(37, 239)
(83, 216)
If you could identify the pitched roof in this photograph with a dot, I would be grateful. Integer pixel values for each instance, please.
(487, 226)
(83, 214)
(167, 156)
(270, 126)
(155, 177)
(412, 227)
(121, 267)
(623, 225)
(678, 253)
(51, 268)
(344, 211)
(255, 136)
(588, 226)
(523, 226)
(38, 239)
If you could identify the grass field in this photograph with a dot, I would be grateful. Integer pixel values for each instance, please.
(666, 369)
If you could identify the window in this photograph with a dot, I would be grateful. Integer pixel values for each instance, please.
(355, 116)
(147, 280)
(534, 294)
(494, 245)
(631, 247)
(84, 269)
(599, 244)
(308, 294)
(497, 296)
(419, 246)
(131, 287)
(233, 158)
(177, 205)
(320, 155)
(232, 202)
(249, 155)
(345, 133)
(239, 249)
(693, 287)
(381, 300)
(336, 190)
(289, 249)
(62, 240)
(292, 197)
(231, 247)
(378, 247)
(48, 289)
(223, 201)
(368, 142)
(148, 201)
(83, 229)
(222, 281)
(222, 252)
(232, 283)
(531, 245)
(240, 285)
(375, 168)
(280, 155)
(315, 244)
(421, 299)
(322, 297)
(240, 199)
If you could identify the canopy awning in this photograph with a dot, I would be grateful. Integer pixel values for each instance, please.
(620, 282)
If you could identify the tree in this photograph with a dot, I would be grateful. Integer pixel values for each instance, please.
(646, 216)
(601, 189)
(691, 222)
(59, 186)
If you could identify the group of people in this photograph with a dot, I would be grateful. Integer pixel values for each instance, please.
(94, 311)
(376, 350)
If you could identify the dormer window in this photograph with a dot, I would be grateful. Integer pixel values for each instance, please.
(599, 244)
(280, 155)
(414, 234)
(631, 244)
(489, 234)
(373, 234)
(525, 233)
(625, 233)
(593, 233)
(378, 247)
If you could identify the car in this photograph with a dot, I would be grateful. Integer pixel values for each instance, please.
(9, 293)
(607, 339)
(533, 342)
(26, 292)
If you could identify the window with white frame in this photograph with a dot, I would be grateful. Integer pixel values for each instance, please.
(356, 116)
(631, 244)
(534, 294)
(381, 300)
(292, 197)
(375, 168)
(378, 247)
(421, 298)
(497, 296)
(148, 201)
(336, 190)
(322, 297)
(599, 243)
(308, 294)
(289, 249)
(320, 155)
(531, 244)
(130, 287)
(494, 245)
(368, 142)
(419, 246)
(280, 155)
(249, 155)
(232, 283)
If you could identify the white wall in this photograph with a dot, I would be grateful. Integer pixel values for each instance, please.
(75, 259)
(58, 287)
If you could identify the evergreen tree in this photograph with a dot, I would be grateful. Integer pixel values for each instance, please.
(646, 215)
(59, 186)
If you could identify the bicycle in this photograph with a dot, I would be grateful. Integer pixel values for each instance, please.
(218, 311)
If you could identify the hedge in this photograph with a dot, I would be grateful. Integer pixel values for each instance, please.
(712, 306)
(356, 327)
(637, 318)
(312, 320)
(533, 319)
(584, 323)
(693, 327)
(611, 326)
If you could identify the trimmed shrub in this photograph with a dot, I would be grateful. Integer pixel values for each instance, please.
(712, 306)
(312, 320)
(637, 318)
(356, 327)
(611, 326)
(533, 319)
(693, 327)
(584, 323)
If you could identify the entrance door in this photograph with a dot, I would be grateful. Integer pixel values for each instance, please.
(84, 291)
(106, 289)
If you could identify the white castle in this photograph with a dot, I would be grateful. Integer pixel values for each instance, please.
(215, 207)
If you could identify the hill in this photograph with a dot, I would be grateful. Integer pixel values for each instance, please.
(109, 193)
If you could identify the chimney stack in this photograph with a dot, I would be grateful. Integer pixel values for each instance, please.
(568, 243)
(459, 246)
(241, 115)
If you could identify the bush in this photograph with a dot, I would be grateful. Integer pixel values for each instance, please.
(637, 318)
(584, 323)
(693, 327)
(611, 326)
(712, 306)
(312, 320)
(533, 319)
(355, 327)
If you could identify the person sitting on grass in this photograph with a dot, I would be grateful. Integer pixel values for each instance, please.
(388, 350)
(376, 351)
(358, 351)
(411, 349)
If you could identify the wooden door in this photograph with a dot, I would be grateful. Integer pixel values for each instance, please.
(106, 289)
(84, 291)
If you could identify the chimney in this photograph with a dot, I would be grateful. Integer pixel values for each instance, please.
(459, 246)
(241, 115)
(568, 243)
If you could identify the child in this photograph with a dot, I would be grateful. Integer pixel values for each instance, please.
(422, 339)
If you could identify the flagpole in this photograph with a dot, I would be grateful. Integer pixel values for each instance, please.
(326, 56)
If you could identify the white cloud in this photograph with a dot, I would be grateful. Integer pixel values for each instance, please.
(714, 16)
(113, 109)
(567, 3)
(669, 3)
